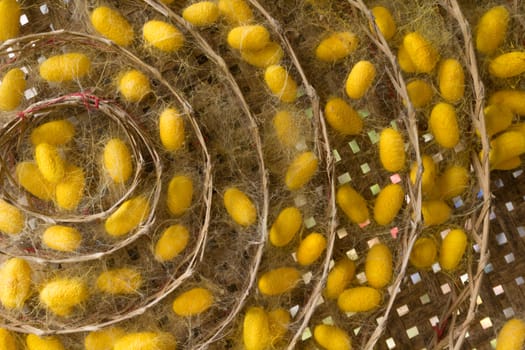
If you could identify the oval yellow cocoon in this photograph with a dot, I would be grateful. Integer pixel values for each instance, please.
(339, 277)
(336, 46)
(435, 212)
(301, 170)
(421, 52)
(428, 177)
(249, 37)
(127, 217)
(280, 83)
(15, 283)
(12, 220)
(451, 80)
(491, 29)
(256, 329)
(104, 339)
(7, 340)
(117, 160)
(310, 249)
(392, 150)
(360, 79)
(286, 226)
(385, 21)
(453, 182)
(49, 162)
(171, 243)
(507, 145)
(29, 177)
(119, 281)
(235, 11)
(62, 238)
(278, 320)
(420, 93)
(34, 342)
(180, 194)
(201, 14)
(9, 19)
(452, 249)
(56, 133)
(146, 341)
(388, 203)
(62, 295)
(512, 99)
(163, 36)
(511, 336)
(70, 191)
(111, 24)
(443, 123)
(285, 128)
(508, 65)
(404, 60)
(66, 67)
(342, 117)
(359, 299)
(193, 302)
(269, 55)
(134, 85)
(508, 164)
(12, 89)
(378, 266)
(424, 253)
(171, 129)
(240, 207)
(332, 337)
(497, 118)
(352, 204)
(279, 281)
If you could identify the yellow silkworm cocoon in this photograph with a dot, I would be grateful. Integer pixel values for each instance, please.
(392, 150)
(301, 170)
(420, 93)
(508, 145)
(492, 29)
(280, 83)
(435, 212)
(193, 302)
(451, 80)
(378, 266)
(443, 123)
(12, 220)
(111, 24)
(310, 249)
(256, 329)
(508, 164)
(171, 129)
(249, 37)
(453, 182)
(62, 295)
(452, 249)
(404, 60)
(421, 52)
(512, 99)
(56, 133)
(15, 283)
(278, 320)
(201, 14)
(384, 21)
(104, 339)
(286, 226)
(29, 177)
(497, 118)
(508, 65)
(119, 281)
(62, 238)
(9, 19)
(146, 341)
(360, 79)
(388, 203)
(336, 46)
(70, 191)
(423, 253)
(117, 160)
(127, 217)
(352, 204)
(12, 89)
(511, 336)
(34, 342)
(339, 277)
(163, 36)
(342, 117)
(359, 299)
(279, 280)
(285, 128)
(428, 177)
(66, 67)
(180, 194)
(240, 207)
(7, 340)
(134, 85)
(269, 55)
(235, 11)
(171, 243)
(49, 162)
(332, 337)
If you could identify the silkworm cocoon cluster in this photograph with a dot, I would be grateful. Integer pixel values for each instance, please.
(9, 19)
(424, 253)
(279, 320)
(201, 14)
(279, 280)
(508, 65)
(146, 341)
(342, 117)
(506, 146)
(111, 24)
(512, 99)
(66, 67)
(163, 36)
(359, 299)
(392, 150)
(388, 203)
(30, 178)
(56, 133)
(171, 129)
(339, 277)
(235, 11)
(301, 170)
(15, 283)
(420, 93)
(435, 212)
(193, 302)
(127, 217)
(352, 204)
(249, 37)
(511, 336)
(104, 339)
(280, 83)
(443, 123)
(119, 281)
(240, 207)
(70, 191)
(452, 249)
(62, 238)
(171, 243)
(336, 46)
(286, 128)
(421, 52)
(310, 248)
(62, 295)
(117, 160)
(384, 21)
(12, 89)
(269, 55)
(34, 342)
(497, 118)
(428, 177)
(7, 340)
(256, 329)
(12, 220)
(378, 266)
(453, 182)
(286, 226)
(49, 162)
(360, 79)
(404, 60)
(451, 80)
(134, 85)
(491, 29)
(332, 337)
(180, 194)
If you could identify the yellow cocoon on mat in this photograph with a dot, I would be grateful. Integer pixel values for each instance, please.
(111, 24)
(66, 67)
(378, 266)
(279, 280)
(512, 335)
(352, 204)
(104, 339)
(146, 341)
(56, 133)
(9, 19)
(12, 89)
(336, 46)
(248, 37)
(285, 226)
(392, 150)
(163, 36)
(301, 170)
(280, 83)
(359, 299)
(127, 217)
(15, 283)
(332, 337)
(240, 207)
(491, 29)
(193, 302)
(62, 295)
(339, 277)
(201, 14)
